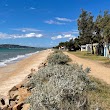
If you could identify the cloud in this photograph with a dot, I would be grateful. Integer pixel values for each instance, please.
(67, 36)
(71, 32)
(70, 36)
(57, 37)
(54, 22)
(26, 29)
(14, 36)
(64, 19)
(3, 35)
(32, 8)
(59, 21)
(33, 35)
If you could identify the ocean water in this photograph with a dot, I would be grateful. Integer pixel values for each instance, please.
(8, 56)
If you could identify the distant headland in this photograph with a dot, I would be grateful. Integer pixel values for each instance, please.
(14, 46)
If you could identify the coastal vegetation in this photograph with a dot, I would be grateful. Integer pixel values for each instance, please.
(58, 57)
(65, 86)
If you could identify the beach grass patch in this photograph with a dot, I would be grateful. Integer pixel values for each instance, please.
(99, 96)
(88, 55)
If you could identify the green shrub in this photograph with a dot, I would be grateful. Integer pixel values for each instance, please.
(59, 87)
(58, 57)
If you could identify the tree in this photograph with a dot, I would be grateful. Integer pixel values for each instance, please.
(77, 43)
(102, 27)
(98, 29)
(106, 26)
(85, 26)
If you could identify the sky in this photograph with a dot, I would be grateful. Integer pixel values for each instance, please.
(43, 23)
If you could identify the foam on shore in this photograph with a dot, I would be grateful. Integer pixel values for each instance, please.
(15, 59)
(13, 74)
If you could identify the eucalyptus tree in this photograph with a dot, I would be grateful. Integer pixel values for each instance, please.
(102, 27)
(85, 27)
(98, 28)
(106, 26)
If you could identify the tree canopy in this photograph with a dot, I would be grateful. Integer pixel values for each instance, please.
(90, 30)
(85, 27)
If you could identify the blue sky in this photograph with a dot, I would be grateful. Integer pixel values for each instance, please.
(43, 23)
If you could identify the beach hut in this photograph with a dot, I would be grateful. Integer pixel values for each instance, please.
(83, 47)
(107, 50)
(100, 49)
(95, 48)
(89, 47)
(62, 48)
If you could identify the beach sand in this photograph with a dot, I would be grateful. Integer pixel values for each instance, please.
(13, 74)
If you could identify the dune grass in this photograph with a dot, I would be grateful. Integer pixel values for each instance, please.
(88, 55)
(101, 95)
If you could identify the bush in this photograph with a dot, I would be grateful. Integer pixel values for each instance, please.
(59, 87)
(58, 57)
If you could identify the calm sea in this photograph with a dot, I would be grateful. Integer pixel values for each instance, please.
(8, 56)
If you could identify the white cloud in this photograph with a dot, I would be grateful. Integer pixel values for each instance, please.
(71, 32)
(14, 36)
(70, 36)
(59, 37)
(33, 35)
(53, 38)
(67, 36)
(64, 19)
(26, 29)
(3, 35)
(59, 21)
(32, 8)
(54, 22)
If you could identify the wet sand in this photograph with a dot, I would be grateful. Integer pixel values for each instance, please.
(13, 74)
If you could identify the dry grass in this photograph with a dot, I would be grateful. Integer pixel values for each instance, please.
(101, 95)
(87, 55)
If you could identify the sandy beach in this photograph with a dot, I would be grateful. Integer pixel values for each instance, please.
(13, 74)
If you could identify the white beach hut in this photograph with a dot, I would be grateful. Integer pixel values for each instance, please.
(107, 50)
(88, 47)
(83, 47)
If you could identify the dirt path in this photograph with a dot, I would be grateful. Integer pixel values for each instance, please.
(13, 74)
(97, 70)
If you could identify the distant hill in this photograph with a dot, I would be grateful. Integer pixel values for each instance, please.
(13, 46)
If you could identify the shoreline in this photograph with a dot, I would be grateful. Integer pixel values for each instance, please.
(13, 74)
(19, 57)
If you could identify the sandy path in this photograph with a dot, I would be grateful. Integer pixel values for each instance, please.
(97, 70)
(13, 74)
